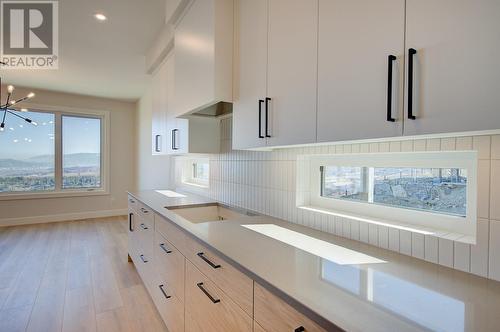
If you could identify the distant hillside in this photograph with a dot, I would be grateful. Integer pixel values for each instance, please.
(71, 160)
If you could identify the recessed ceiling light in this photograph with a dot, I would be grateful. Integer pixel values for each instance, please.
(100, 17)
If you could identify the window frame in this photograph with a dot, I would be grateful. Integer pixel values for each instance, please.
(58, 191)
(187, 172)
(419, 219)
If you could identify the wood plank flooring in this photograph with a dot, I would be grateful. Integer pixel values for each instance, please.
(72, 276)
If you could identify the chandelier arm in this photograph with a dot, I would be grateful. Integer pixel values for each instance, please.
(13, 113)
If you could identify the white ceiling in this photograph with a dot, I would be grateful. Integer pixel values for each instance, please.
(104, 59)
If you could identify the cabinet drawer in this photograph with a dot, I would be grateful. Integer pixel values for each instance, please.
(170, 307)
(144, 265)
(146, 213)
(145, 235)
(169, 264)
(132, 203)
(172, 233)
(274, 314)
(233, 282)
(208, 308)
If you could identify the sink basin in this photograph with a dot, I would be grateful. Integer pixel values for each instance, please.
(209, 212)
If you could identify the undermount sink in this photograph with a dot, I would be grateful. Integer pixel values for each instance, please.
(209, 212)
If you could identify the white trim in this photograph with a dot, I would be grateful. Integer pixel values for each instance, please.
(374, 213)
(62, 217)
(53, 194)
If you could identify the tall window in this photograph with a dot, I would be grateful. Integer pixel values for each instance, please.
(63, 153)
(27, 154)
(81, 138)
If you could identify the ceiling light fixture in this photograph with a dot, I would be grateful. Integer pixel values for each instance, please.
(5, 107)
(100, 17)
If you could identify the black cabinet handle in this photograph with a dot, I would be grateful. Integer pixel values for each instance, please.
(174, 139)
(143, 226)
(131, 200)
(157, 143)
(300, 329)
(168, 251)
(163, 291)
(260, 118)
(391, 58)
(411, 53)
(267, 116)
(144, 210)
(200, 286)
(130, 228)
(143, 259)
(201, 255)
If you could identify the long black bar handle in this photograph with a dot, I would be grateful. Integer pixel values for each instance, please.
(163, 291)
(168, 251)
(200, 286)
(202, 256)
(157, 143)
(130, 228)
(391, 58)
(260, 118)
(411, 53)
(174, 140)
(267, 116)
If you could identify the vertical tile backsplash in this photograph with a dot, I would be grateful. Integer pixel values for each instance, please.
(266, 182)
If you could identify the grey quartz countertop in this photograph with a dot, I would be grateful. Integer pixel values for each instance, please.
(355, 286)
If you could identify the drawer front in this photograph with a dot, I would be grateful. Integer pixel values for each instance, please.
(275, 315)
(145, 266)
(208, 308)
(146, 213)
(132, 203)
(233, 282)
(169, 264)
(172, 233)
(145, 235)
(170, 307)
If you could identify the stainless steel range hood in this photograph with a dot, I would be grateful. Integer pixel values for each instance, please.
(215, 110)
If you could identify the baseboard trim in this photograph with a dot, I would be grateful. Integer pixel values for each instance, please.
(61, 217)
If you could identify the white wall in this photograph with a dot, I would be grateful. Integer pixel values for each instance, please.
(152, 171)
(265, 182)
(122, 160)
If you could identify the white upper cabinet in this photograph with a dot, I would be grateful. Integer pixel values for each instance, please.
(250, 74)
(361, 66)
(160, 108)
(275, 99)
(204, 53)
(456, 66)
(292, 71)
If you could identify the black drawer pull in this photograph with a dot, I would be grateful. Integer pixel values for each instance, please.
(130, 227)
(267, 116)
(163, 291)
(411, 53)
(168, 251)
(143, 226)
(144, 210)
(300, 329)
(131, 200)
(391, 58)
(144, 260)
(260, 118)
(200, 286)
(202, 256)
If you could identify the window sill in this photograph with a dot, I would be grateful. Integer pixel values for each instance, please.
(457, 237)
(197, 185)
(59, 194)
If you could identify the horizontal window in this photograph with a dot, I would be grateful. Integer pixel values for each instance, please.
(441, 190)
(194, 171)
(434, 191)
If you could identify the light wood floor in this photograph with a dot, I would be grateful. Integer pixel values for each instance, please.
(72, 276)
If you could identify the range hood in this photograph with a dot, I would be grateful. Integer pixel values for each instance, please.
(215, 110)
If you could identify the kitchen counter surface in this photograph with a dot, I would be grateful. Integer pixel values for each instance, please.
(355, 286)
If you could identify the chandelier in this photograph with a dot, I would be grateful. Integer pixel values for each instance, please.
(11, 106)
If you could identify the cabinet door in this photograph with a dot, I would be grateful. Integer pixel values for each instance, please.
(455, 70)
(356, 38)
(208, 308)
(292, 71)
(159, 111)
(251, 74)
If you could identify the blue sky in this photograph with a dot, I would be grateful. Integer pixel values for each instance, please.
(22, 140)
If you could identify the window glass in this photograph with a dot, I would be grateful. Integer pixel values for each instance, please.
(27, 153)
(441, 190)
(200, 171)
(81, 140)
